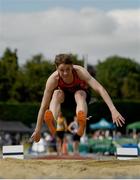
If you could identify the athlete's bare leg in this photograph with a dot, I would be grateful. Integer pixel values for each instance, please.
(55, 104)
(52, 113)
(59, 146)
(81, 111)
(76, 147)
(80, 98)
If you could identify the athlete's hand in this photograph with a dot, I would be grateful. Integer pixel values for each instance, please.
(36, 136)
(117, 118)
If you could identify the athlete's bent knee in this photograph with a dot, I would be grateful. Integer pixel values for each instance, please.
(59, 95)
(80, 93)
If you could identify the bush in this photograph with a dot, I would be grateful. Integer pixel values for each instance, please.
(26, 113)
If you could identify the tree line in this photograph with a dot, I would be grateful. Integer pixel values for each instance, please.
(26, 83)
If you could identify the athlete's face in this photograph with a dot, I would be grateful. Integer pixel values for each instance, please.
(65, 70)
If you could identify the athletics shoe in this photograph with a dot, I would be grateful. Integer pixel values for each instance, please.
(81, 119)
(49, 120)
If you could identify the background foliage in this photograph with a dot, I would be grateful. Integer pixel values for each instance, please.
(21, 87)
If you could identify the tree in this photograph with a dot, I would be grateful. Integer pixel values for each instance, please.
(131, 86)
(8, 74)
(119, 75)
(36, 71)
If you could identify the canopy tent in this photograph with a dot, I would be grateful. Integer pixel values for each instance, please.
(102, 124)
(14, 126)
(135, 125)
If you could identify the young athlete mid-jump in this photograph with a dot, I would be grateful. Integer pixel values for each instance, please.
(69, 85)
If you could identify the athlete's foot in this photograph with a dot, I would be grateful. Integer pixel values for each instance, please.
(76, 154)
(81, 118)
(49, 120)
(59, 154)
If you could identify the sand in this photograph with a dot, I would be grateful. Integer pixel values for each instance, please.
(68, 168)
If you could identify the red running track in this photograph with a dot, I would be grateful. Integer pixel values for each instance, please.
(65, 157)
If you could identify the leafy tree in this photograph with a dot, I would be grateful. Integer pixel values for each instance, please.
(131, 86)
(8, 74)
(36, 71)
(120, 76)
(77, 61)
(117, 74)
(20, 88)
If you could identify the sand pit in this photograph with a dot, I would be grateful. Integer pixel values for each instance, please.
(63, 168)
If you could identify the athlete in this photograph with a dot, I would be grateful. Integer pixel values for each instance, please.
(61, 129)
(68, 87)
(73, 128)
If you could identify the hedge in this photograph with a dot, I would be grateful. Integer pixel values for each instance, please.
(129, 109)
(27, 112)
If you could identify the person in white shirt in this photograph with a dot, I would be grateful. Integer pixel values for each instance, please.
(73, 128)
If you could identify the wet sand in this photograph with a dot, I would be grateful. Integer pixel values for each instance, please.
(68, 168)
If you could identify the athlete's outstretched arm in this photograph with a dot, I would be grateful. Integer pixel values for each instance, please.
(50, 86)
(96, 86)
(116, 116)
